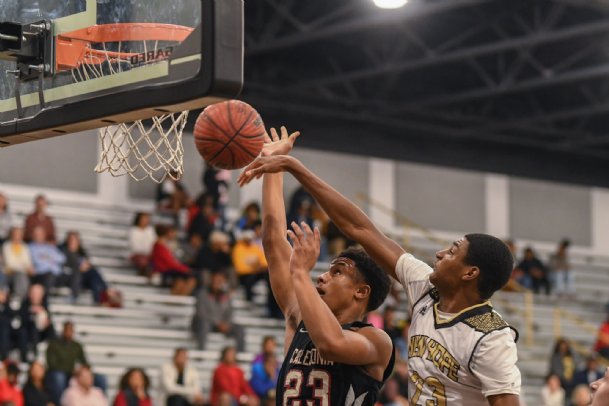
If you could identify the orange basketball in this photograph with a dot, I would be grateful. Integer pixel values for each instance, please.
(229, 135)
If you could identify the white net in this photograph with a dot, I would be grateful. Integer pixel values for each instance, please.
(144, 148)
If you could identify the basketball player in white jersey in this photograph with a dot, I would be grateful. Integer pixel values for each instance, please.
(461, 352)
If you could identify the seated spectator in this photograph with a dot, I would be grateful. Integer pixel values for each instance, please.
(203, 223)
(141, 241)
(562, 364)
(552, 394)
(214, 312)
(560, 270)
(302, 213)
(535, 272)
(264, 377)
(600, 390)
(393, 330)
(180, 384)
(249, 262)
(269, 346)
(173, 272)
(172, 197)
(581, 396)
(47, 259)
(34, 392)
(602, 339)
(18, 265)
(216, 183)
(82, 273)
(81, 391)
(9, 386)
(249, 216)
(134, 386)
(39, 218)
(6, 219)
(64, 355)
(401, 376)
(35, 324)
(590, 373)
(390, 394)
(229, 385)
(216, 256)
(7, 315)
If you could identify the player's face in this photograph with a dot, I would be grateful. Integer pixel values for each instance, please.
(600, 390)
(450, 264)
(338, 285)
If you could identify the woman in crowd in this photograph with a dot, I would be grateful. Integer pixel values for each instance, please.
(18, 265)
(141, 241)
(83, 274)
(34, 391)
(563, 364)
(134, 387)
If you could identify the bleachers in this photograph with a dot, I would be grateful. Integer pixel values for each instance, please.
(152, 322)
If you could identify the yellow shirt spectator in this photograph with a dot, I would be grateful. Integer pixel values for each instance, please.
(248, 257)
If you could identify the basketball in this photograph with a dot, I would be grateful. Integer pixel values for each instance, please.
(229, 135)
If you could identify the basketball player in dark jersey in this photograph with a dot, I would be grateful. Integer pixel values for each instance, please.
(332, 357)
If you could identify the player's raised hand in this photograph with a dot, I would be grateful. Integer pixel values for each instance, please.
(262, 165)
(305, 250)
(276, 144)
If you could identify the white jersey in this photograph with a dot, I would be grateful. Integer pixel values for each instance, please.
(455, 359)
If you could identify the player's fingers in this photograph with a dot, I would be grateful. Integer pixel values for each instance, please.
(297, 230)
(267, 139)
(284, 133)
(317, 236)
(307, 230)
(274, 134)
(292, 237)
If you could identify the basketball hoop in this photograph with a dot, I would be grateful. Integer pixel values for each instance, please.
(141, 149)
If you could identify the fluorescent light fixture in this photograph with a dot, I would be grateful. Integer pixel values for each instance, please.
(390, 3)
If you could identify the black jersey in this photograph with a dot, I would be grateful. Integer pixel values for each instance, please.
(306, 376)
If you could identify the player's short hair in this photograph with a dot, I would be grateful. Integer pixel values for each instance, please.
(372, 274)
(494, 259)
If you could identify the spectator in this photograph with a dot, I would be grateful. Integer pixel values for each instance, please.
(141, 241)
(214, 312)
(9, 386)
(17, 262)
(269, 346)
(216, 184)
(401, 376)
(229, 384)
(216, 255)
(64, 356)
(560, 268)
(600, 390)
(204, 221)
(82, 392)
(34, 322)
(83, 274)
(535, 272)
(39, 218)
(6, 219)
(47, 259)
(602, 339)
(6, 319)
(391, 328)
(581, 396)
(552, 394)
(301, 213)
(173, 272)
(34, 391)
(249, 262)
(563, 364)
(249, 216)
(180, 382)
(264, 377)
(172, 197)
(390, 394)
(590, 373)
(134, 386)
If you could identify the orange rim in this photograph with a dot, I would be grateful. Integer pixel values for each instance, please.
(73, 49)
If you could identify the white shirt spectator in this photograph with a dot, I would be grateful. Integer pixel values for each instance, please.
(141, 240)
(17, 257)
(170, 387)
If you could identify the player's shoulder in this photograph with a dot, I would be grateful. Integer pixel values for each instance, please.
(375, 335)
(487, 322)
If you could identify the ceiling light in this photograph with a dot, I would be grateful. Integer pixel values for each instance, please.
(390, 3)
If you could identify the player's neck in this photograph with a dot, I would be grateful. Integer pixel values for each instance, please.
(349, 315)
(454, 302)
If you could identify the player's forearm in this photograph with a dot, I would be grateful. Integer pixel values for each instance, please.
(347, 216)
(322, 325)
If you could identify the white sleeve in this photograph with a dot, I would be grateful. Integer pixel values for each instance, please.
(494, 363)
(413, 274)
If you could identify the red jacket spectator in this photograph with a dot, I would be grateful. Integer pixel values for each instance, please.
(9, 389)
(164, 261)
(602, 341)
(40, 218)
(229, 379)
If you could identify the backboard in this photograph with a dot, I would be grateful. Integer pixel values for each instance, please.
(164, 56)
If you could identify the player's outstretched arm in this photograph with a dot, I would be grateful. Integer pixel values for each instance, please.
(367, 346)
(277, 250)
(349, 218)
